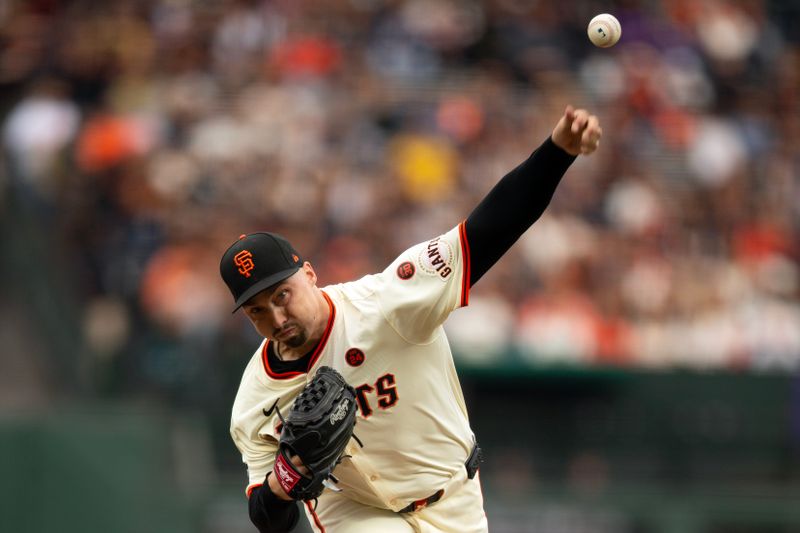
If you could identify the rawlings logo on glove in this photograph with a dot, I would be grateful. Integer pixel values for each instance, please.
(317, 430)
(287, 476)
(340, 412)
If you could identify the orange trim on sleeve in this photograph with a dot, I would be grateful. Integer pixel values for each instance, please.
(317, 350)
(250, 488)
(465, 272)
(316, 518)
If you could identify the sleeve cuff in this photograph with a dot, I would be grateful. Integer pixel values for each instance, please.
(554, 153)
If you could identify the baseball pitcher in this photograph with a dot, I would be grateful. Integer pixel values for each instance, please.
(351, 405)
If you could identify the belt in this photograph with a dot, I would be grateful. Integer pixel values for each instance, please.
(471, 464)
(424, 502)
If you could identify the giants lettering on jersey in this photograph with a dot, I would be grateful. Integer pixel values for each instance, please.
(436, 258)
(385, 387)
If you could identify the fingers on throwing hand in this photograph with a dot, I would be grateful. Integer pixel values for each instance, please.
(590, 138)
(581, 117)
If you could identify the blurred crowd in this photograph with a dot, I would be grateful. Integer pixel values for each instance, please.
(146, 136)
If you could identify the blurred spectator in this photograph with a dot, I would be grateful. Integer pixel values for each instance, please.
(107, 141)
(36, 132)
(157, 132)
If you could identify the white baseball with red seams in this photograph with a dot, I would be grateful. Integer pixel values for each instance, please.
(604, 30)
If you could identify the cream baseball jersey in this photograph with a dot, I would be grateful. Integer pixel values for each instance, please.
(385, 336)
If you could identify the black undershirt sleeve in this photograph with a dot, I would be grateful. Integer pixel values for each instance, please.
(513, 205)
(271, 514)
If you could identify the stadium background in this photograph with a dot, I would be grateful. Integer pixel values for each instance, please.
(632, 364)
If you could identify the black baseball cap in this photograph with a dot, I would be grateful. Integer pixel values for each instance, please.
(256, 262)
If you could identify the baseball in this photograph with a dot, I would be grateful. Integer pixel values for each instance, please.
(604, 30)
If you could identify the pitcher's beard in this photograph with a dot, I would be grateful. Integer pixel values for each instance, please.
(296, 341)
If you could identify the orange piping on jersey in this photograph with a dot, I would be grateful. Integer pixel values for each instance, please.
(328, 328)
(251, 488)
(268, 370)
(462, 233)
(317, 351)
(316, 518)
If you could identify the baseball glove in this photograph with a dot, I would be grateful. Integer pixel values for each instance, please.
(317, 429)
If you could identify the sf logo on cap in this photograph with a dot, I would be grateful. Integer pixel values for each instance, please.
(244, 260)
